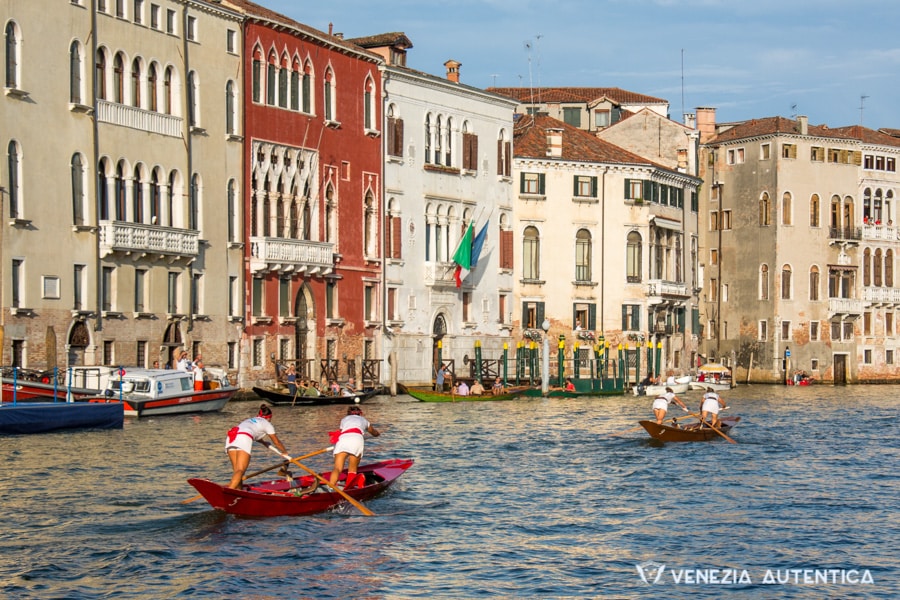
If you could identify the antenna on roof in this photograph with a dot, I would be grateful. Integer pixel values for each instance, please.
(494, 78)
(537, 48)
(862, 105)
(527, 44)
(682, 84)
(794, 110)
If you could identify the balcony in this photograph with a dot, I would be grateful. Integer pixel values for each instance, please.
(660, 291)
(140, 119)
(844, 234)
(847, 307)
(285, 255)
(440, 274)
(143, 240)
(881, 296)
(887, 233)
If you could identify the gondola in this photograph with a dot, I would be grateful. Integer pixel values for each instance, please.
(281, 396)
(691, 432)
(302, 496)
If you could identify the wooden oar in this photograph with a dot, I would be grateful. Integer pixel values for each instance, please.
(261, 471)
(321, 479)
(640, 426)
(702, 423)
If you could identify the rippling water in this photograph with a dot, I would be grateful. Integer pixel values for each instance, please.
(528, 498)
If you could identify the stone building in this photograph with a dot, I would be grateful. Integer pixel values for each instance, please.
(799, 247)
(118, 120)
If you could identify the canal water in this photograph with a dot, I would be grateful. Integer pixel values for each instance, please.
(525, 498)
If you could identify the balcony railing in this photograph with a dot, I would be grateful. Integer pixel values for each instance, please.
(881, 295)
(138, 118)
(440, 274)
(659, 287)
(287, 256)
(130, 238)
(846, 306)
(881, 232)
(845, 233)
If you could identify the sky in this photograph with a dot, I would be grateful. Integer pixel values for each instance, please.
(835, 61)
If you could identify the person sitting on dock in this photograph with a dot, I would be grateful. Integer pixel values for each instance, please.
(463, 389)
(661, 404)
(711, 405)
(477, 388)
(498, 388)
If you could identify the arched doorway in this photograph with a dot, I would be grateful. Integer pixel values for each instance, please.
(79, 340)
(301, 331)
(438, 331)
(172, 341)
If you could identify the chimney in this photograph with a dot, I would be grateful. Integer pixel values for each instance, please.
(803, 122)
(554, 141)
(453, 70)
(690, 120)
(706, 123)
(331, 29)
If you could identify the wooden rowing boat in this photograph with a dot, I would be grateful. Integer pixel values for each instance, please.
(283, 397)
(282, 497)
(426, 394)
(691, 432)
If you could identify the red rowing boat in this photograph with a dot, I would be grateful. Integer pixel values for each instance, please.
(302, 496)
(688, 433)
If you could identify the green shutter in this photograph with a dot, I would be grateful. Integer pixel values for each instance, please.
(647, 191)
(521, 183)
(524, 315)
(628, 189)
(574, 314)
(541, 184)
(594, 187)
(624, 317)
(574, 189)
(540, 314)
(592, 317)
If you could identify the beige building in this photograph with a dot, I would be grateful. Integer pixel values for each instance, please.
(121, 122)
(799, 245)
(606, 246)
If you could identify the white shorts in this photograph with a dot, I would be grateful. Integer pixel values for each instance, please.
(660, 404)
(711, 406)
(351, 443)
(241, 442)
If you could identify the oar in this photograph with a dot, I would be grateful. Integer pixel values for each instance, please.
(321, 479)
(640, 426)
(702, 423)
(261, 471)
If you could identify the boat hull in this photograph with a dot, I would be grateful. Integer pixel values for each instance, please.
(718, 387)
(660, 389)
(284, 398)
(271, 499)
(190, 402)
(688, 433)
(42, 417)
(426, 394)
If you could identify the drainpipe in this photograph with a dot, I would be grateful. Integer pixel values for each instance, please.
(602, 242)
(189, 97)
(385, 243)
(98, 271)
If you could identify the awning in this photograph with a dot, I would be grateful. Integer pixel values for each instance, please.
(666, 223)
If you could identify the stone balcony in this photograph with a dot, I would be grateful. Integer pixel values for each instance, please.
(440, 274)
(284, 255)
(140, 119)
(881, 296)
(886, 233)
(659, 291)
(846, 307)
(138, 239)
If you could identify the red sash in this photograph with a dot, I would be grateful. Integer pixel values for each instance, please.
(234, 432)
(334, 436)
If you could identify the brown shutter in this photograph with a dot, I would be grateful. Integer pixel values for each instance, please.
(499, 157)
(398, 137)
(506, 249)
(395, 234)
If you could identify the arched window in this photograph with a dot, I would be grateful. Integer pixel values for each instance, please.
(267, 209)
(155, 197)
(867, 267)
(78, 187)
(531, 253)
(307, 89)
(232, 211)
(257, 74)
(836, 214)
(76, 73)
(136, 82)
(193, 100)
(293, 218)
(271, 79)
(119, 78)
(295, 86)
(369, 104)
(137, 195)
(764, 282)
(120, 192)
(194, 199)
(427, 138)
(329, 95)
(230, 109)
(330, 215)
(814, 210)
(877, 268)
(100, 70)
(12, 55)
(370, 233)
(583, 255)
(153, 87)
(889, 268)
(438, 138)
(103, 190)
(167, 90)
(786, 209)
(814, 283)
(849, 213)
(765, 210)
(504, 155)
(634, 257)
(786, 282)
(174, 192)
(283, 82)
(306, 217)
(448, 143)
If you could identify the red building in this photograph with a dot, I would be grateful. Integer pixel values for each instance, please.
(311, 198)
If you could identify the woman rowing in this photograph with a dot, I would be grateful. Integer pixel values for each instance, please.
(712, 402)
(349, 443)
(661, 404)
(239, 443)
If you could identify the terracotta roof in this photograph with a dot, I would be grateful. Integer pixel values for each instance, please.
(255, 11)
(889, 131)
(782, 125)
(393, 39)
(574, 94)
(530, 141)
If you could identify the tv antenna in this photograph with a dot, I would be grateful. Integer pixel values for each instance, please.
(794, 110)
(494, 78)
(862, 105)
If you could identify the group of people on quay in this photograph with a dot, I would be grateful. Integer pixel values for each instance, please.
(302, 386)
(710, 405)
(348, 440)
(444, 383)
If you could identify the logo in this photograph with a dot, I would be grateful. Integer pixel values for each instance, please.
(651, 571)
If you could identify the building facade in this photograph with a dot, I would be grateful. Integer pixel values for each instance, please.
(114, 179)
(799, 245)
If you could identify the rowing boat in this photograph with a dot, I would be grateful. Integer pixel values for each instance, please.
(297, 497)
(426, 394)
(283, 397)
(688, 433)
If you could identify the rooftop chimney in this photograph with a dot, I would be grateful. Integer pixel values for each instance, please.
(706, 123)
(331, 29)
(803, 122)
(554, 141)
(453, 70)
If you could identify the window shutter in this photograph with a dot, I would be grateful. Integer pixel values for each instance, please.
(574, 314)
(474, 152)
(593, 187)
(540, 314)
(574, 189)
(647, 191)
(628, 189)
(506, 249)
(507, 150)
(398, 238)
(398, 137)
(524, 315)
(500, 157)
(541, 184)
(521, 183)
(625, 322)
(592, 317)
